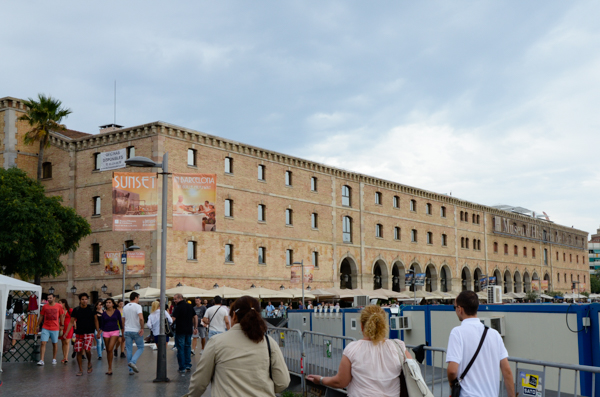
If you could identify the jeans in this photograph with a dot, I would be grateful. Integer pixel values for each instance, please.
(130, 337)
(99, 344)
(183, 343)
(212, 333)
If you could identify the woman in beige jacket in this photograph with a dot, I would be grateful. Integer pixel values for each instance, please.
(237, 361)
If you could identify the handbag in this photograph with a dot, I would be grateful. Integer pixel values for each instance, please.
(168, 328)
(456, 387)
(412, 383)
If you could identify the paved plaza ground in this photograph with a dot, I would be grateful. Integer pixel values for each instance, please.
(28, 379)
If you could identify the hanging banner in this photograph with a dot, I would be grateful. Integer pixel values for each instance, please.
(535, 285)
(112, 263)
(544, 285)
(308, 274)
(296, 274)
(113, 160)
(483, 283)
(136, 262)
(420, 279)
(135, 201)
(493, 281)
(194, 197)
(408, 279)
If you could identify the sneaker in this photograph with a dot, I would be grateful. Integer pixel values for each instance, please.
(73, 354)
(41, 363)
(181, 371)
(133, 367)
(122, 354)
(131, 373)
(193, 354)
(174, 348)
(99, 357)
(54, 362)
(188, 370)
(116, 353)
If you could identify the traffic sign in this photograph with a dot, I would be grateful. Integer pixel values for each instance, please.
(124, 258)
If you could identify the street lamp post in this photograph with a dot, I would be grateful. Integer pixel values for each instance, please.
(301, 263)
(125, 249)
(414, 286)
(51, 290)
(161, 338)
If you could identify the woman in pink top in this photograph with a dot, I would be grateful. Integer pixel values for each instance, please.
(370, 366)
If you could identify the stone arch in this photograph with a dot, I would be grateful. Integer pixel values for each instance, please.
(416, 267)
(477, 275)
(398, 275)
(518, 283)
(348, 273)
(465, 279)
(445, 278)
(431, 277)
(526, 282)
(498, 274)
(535, 280)
(547, 278)
(508, 284)
(380, 269)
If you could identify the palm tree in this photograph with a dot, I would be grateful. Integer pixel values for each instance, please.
(44, 116)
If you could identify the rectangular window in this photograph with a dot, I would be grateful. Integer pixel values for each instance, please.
(396, 202)
(128, 243)
(288, 217)
(397, 233)
(347, 229)
(262, 257)
(533, 252)
(443, 212)
(525, 252)
(228, 252)
(46, 170)
(289, 257)
(261, 172)
(191, 250)
(313, 184)
(429, 238)
(288, 178)
(95, 253)
(130, 151)
(428, 209)
(378, 198)
(379, 230)
(346, 196)
(495, 247)
(546, 256)
(315, 259)
(97, 163)
(413, 236)
(97, 205)
(505, 249)
(261, 213)
(191, 157)
(228, 165)
(516, 250)
(314, 220)
(444, 240)
(229, 207)
(413, 205)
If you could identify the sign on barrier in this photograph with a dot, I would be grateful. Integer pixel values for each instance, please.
(530, 383)
(327, 346)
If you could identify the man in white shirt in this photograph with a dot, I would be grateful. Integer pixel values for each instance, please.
(483, 379)
(134, 331)
(216, 318)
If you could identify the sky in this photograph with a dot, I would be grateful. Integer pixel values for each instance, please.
(494, 102)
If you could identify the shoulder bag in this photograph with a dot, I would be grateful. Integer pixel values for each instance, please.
(456, 387)
(412, 383)
(213, 316)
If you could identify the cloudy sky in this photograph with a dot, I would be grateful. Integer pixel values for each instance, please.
(496, 102)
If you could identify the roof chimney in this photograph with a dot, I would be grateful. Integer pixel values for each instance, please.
(110, 128)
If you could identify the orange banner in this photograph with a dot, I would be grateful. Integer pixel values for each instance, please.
(136, 262)
(194, 197)
(135, 201)
(308, 273)
(112, 263)
(296, 274)
(544, 285)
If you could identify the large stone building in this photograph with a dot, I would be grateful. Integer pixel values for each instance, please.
(358, 230)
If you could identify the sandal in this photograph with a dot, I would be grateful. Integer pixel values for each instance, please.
(109, 373)
(79, 373)
(63, 361)
(90, 368)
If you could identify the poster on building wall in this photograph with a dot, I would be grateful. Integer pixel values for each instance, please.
(194, 197)
(112, 263)
(544, 284)
(420, 279)
(492, 281)
(408, 279)
(308, 274)
(113, 160)
(483, 283)
(535, 285)
(296, 273)
(136, 262)
(135, 201)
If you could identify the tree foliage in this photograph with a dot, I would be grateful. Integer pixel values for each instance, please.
(595, 284)
(36, 230)
(43, 116)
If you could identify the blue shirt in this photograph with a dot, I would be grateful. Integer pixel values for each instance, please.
(270, 309)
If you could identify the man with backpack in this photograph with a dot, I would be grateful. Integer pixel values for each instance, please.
(216, 318)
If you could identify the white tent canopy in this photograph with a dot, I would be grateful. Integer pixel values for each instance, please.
(8, 284)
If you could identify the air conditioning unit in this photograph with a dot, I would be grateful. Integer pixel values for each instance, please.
(400, 323)
(496, 322)
(494, 294)
(361, 301)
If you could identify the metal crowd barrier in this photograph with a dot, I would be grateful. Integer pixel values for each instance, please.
(291, 344)
(442, 379)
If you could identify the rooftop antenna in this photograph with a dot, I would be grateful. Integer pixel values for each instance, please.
(115, 111)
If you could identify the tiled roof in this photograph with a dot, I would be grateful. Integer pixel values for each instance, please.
(74, 134)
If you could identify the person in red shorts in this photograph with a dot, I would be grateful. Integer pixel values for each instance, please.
(87, 323)
(52, 315)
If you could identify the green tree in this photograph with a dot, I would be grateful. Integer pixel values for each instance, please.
(36, 230)
(594, 284)
(43, 116)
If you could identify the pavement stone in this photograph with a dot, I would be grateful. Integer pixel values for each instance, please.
(28, 379)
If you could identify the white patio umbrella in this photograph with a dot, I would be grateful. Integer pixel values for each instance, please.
(482, 296)
(297, 292)
(322, 294)
(224, 292)
(186, 290)
(266, 293)
(147, 292)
